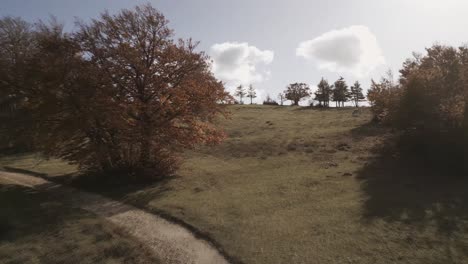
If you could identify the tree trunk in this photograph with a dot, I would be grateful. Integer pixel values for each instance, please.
(145, 140)
(465, 133)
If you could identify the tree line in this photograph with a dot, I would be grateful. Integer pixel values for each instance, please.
(117, 93)
(338, 92)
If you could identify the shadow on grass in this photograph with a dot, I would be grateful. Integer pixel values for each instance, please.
(117, 186)
(415, 180)
(37, 226)
(370, 129)
(123, 189)
(24, 211)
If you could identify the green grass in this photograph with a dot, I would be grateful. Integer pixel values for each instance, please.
(38, 228)
(297, 185)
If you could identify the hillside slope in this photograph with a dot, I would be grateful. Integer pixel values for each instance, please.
(297, 185)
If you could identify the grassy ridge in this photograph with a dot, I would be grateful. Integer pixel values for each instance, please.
(297, 185)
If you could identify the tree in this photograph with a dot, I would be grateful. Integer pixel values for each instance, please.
(241, 93)
(282, 98)
(322, 95)
(17, 47)
(340, 92)
(356, 94)
(384, 97)
(296, 92)
(464, 123)
(120, 94)
(251, 93)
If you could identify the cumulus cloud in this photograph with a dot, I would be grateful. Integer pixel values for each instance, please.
(352, 50)
(238, 63)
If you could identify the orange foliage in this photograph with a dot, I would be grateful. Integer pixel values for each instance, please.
(120, 93)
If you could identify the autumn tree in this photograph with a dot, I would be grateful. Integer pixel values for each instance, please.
(430, 101)
(323, 93)
(384, 97)
(165, 91)
(296, 92)
(240, 91)
(433, 93)
(340, 92)
(251, 93)
(429, 95)
(17, 47)
(356, 94)
(120, 93)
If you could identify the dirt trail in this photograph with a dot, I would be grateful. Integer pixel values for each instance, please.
(170, 242)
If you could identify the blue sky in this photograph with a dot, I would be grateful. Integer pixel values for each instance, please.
(273, 43)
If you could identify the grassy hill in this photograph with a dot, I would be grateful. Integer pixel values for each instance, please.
(298, 185)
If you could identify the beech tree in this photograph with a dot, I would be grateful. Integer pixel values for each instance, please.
(356, 94)
(296, 92)
(251, 93)
(240, 91)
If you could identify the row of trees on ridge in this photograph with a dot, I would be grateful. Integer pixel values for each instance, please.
(339, 92)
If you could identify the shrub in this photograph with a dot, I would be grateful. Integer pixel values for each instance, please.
(269, 101)
(384, 97)
(430, 99)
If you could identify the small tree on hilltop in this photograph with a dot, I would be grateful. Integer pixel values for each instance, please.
(323, 93)
(241, 93)
(340, 92)
(282, 98)
(296, 92)
(356, 94)
(251, 93)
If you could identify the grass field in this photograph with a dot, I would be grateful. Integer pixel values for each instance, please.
(297, 185)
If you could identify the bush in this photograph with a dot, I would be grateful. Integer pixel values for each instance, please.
(430, 94)
(269, 101)
(430, 98)
(384, 98)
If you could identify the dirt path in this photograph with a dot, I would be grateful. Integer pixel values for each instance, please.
(170, 242)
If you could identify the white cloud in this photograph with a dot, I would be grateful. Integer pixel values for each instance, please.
(349, 50)
(238, 63)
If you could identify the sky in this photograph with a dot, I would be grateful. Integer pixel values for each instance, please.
(272, 43)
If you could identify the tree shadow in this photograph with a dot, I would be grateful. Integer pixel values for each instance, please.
(27, 211)
(116, 186)
(42, 225)
(414, 179)
(370, 129)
